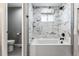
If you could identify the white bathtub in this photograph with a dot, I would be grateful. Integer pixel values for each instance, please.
(49, 47)
(52, 41)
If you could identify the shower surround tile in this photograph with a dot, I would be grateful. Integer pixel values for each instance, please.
(61, 22)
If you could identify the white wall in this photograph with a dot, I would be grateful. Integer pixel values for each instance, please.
(2, 20)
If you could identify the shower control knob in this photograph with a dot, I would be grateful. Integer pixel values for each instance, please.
(61, 42)
(61, 8)
(61, 38)
(63, 34)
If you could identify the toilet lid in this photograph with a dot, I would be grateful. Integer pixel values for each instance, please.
(11, 40)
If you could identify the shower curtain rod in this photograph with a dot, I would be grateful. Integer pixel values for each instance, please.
(46, 6)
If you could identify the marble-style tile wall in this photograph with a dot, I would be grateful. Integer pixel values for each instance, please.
(47, 29)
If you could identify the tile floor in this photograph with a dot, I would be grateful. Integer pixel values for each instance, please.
(16, 52)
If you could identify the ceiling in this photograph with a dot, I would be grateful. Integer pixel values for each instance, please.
(14, 5)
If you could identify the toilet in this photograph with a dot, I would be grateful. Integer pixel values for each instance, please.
(11, 45)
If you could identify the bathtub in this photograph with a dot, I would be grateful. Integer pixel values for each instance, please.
(49, 47)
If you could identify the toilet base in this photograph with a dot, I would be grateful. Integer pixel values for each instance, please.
(10, 48)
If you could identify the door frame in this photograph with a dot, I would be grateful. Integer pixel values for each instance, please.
(25, 30)
(4, 33)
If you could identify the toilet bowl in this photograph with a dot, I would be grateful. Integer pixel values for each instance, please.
(11, 45)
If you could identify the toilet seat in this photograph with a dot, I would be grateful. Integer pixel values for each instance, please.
(11, 41)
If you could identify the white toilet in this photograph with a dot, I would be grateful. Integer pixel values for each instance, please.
(11, 45)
